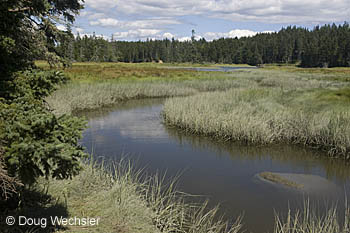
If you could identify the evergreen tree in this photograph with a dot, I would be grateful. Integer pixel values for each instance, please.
(323, 46)
(34, 142)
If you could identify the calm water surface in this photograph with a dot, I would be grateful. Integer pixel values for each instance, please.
(223, 172)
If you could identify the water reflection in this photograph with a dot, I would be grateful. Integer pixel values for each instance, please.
(335, 169)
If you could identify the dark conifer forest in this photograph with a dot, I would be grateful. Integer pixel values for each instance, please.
(323, 46)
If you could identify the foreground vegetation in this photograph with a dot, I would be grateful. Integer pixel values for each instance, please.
(121, 199)
(127, 203)
(309, 220)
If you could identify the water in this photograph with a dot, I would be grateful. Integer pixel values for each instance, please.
(223, 172)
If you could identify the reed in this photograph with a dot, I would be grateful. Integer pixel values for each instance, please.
(265, 116)
(309, 221)
(126, 202)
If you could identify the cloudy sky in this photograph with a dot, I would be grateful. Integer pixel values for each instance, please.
(211, 19)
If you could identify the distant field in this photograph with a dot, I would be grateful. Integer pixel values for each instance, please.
(91, 71)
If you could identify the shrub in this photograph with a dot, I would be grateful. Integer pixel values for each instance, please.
(36, 142)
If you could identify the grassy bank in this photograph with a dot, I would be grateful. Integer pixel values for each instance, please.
(126, 203)
(316, 118)
(122, 202)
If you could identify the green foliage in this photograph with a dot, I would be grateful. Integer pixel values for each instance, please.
(36, 142)
(35, 83)
(39, 144)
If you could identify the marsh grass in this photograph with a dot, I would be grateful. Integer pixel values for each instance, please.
(279, 180)
(264, 116)
(78, 97)
(93, 88)
(310, 221)
(126, 202)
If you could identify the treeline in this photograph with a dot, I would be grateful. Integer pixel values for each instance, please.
(323, 46)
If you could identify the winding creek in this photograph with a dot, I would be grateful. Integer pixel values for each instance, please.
(223, 172)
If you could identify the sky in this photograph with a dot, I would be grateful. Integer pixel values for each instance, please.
(133, 20)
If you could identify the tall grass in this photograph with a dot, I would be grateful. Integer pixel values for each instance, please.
(90, 96)
(309, 221)
(127, 203)
(264, 116)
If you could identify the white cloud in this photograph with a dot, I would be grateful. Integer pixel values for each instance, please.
(137, 34)
(92, 16)
(168, 35)
(103, 4)
(231, 34)
(147, 23)
(209, 36)
(185, 38)
(105, 22)
(269, 11)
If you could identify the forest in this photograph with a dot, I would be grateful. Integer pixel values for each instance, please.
(323, 46)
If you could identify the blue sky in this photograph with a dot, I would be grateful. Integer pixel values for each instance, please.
(211, 19)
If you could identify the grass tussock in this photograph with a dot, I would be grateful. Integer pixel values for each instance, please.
(309, 221)
(126, 203)
(280, 180)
